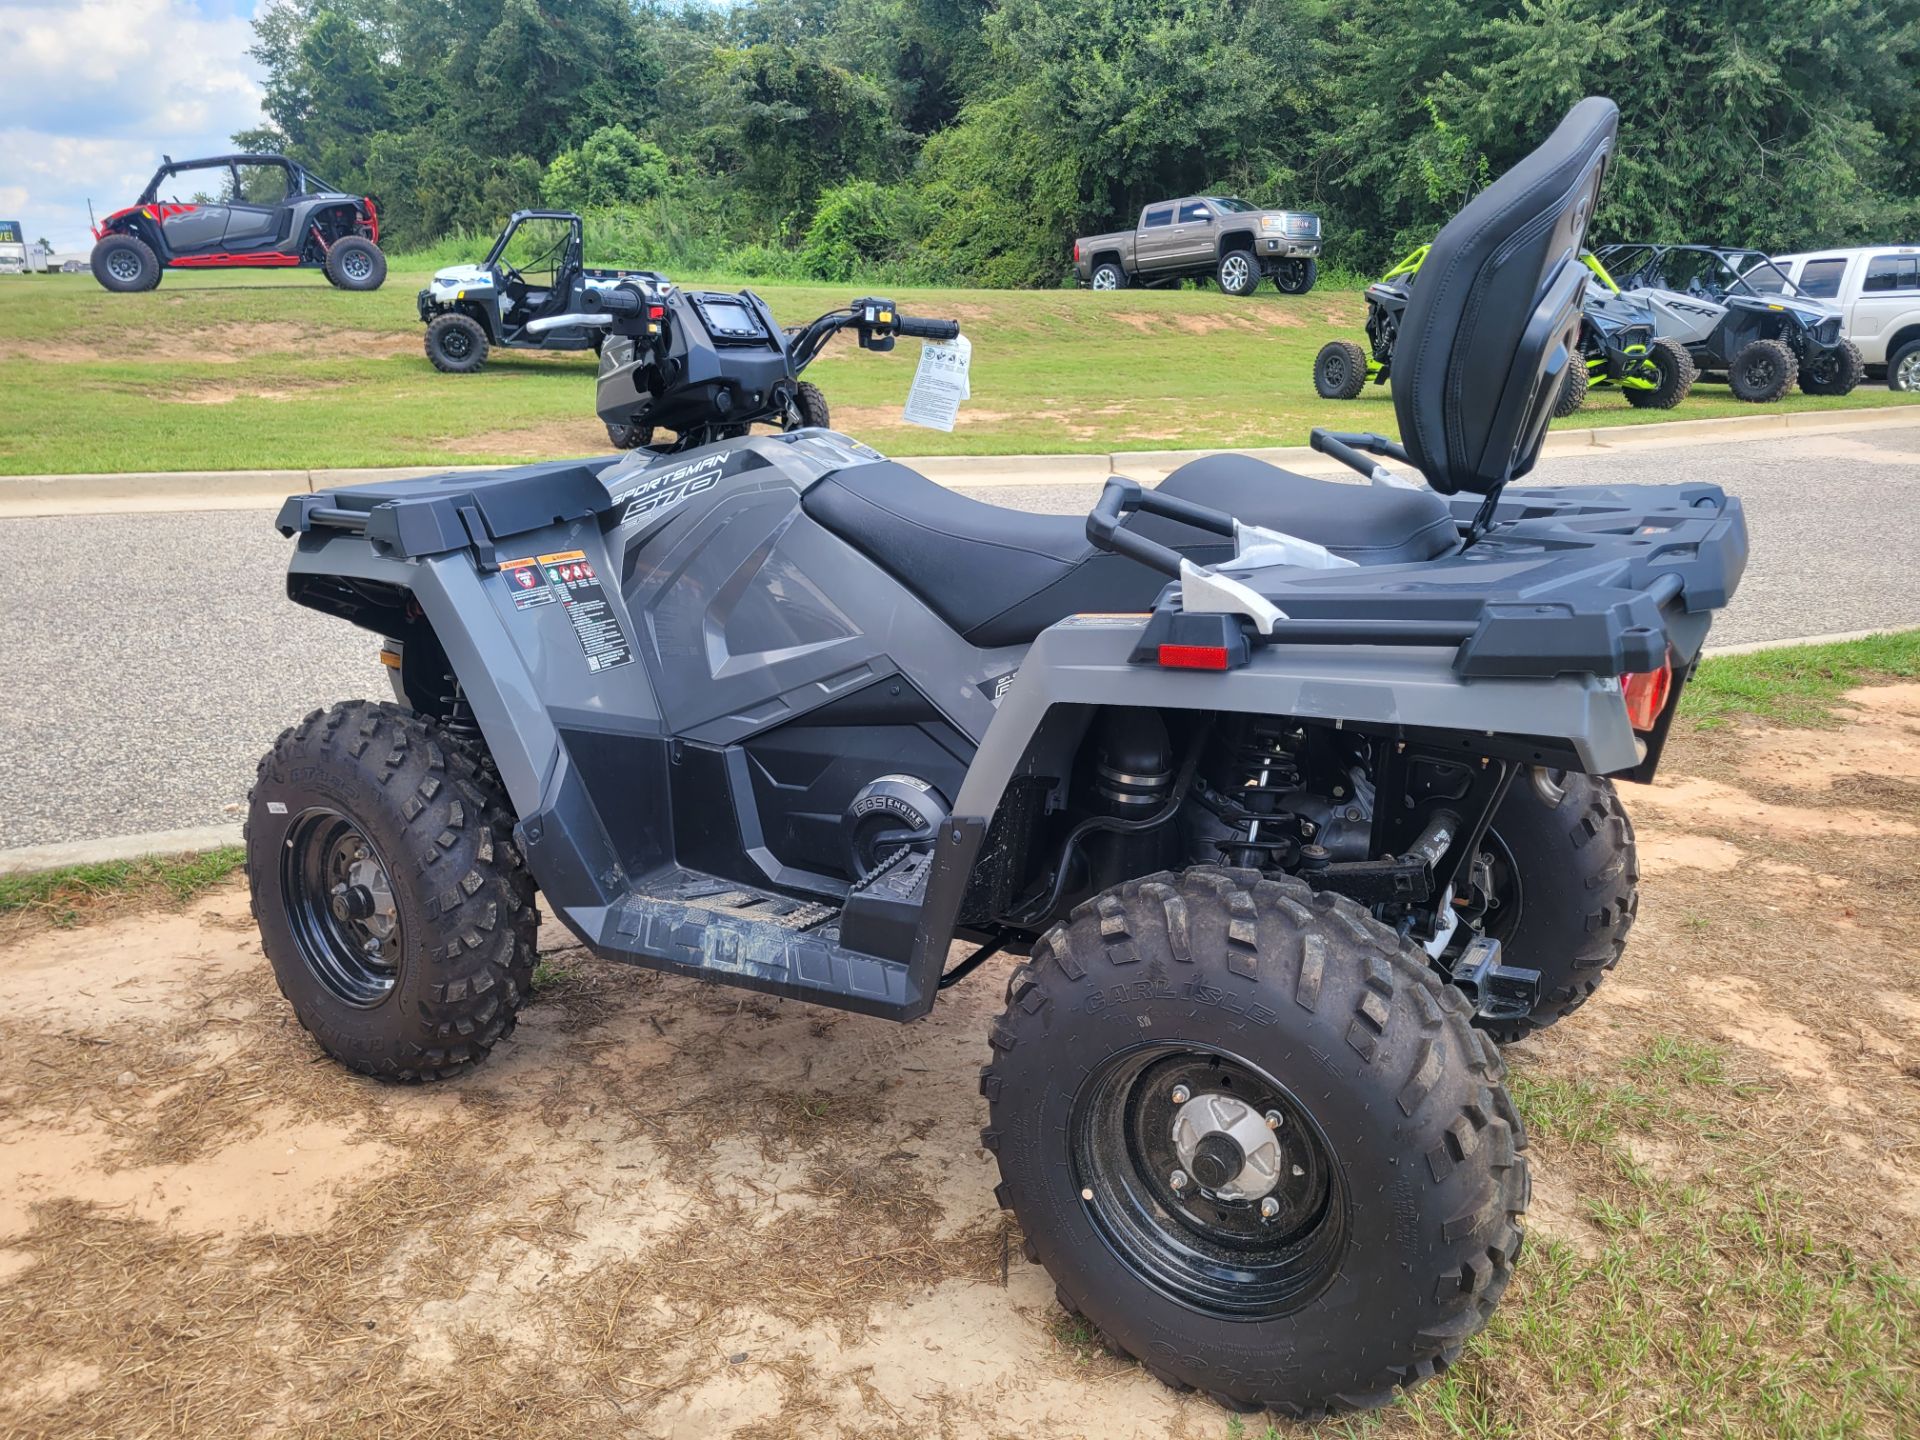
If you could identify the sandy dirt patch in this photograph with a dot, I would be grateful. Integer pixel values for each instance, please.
(668, 1209)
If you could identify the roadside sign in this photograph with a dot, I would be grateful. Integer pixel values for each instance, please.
(11, 233)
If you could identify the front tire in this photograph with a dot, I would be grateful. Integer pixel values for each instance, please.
(1837, 371)
(1238, 273)
(391, 902)
(1330, 1066)
(1295, 277)
(1339, 370)
(125, 264)
(1573, 390)
(810, 405)
(456, 343)
(1560, 882)
(1762, 372)
(355, 263)
(1675, 373)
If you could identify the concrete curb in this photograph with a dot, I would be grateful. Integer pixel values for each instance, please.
(213, 837)
(30, 496)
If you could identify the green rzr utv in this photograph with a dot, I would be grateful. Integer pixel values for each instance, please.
(1618, 343)
(1342, 369)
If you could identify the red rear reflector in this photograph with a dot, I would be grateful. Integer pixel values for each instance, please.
(1646, 695)
(656, 312)
(1194, 657)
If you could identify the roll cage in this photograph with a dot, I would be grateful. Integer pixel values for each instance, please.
(300, 180)
(1724, 270)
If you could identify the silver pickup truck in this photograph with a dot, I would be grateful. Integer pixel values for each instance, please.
(1231, 240)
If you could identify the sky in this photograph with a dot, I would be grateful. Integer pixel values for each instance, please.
(92, 92)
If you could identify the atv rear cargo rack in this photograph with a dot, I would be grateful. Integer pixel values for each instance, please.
(1600, 580)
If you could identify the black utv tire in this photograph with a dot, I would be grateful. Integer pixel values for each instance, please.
(414, 824)
(1837, 371)
(1674, 366)
(812, 405)
(1238, 273)
(629, 437)
(1399, 1176)
(1107, 275)
(1762, 372)
(456, 343)
(1339, 370)
(356, 263)
(1295, 277)
(125, 264)
(1573, 389)
(1567, 883)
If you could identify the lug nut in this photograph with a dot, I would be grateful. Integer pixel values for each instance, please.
(1181, 1094)
(1275, 1119)
(1269, 1208)
(1178, 1179)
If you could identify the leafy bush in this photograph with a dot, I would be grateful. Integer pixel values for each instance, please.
(613, 166)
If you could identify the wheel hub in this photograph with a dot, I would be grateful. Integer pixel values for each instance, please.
(1227, 1146)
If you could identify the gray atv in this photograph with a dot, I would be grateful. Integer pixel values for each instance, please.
(1290, 796)
(1739, 317)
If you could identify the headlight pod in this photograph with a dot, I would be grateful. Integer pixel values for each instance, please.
(1275, 223)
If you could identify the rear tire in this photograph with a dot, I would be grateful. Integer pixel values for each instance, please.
(1567, 882)
(1107, 276)
(1339, 370)
(1674, 366)
(125, 264)
(391, 901)
(1903, 370)
(456, 343)
(629, 437)
(1295, 277)
(1762, 372)
(355, 263)
(1238, 273)
(1395, 1164)
(1838, 371)
(1573, 389)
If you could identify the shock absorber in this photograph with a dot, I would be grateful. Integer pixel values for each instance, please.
(1265, 764)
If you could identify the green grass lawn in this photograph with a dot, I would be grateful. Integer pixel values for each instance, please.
(251, 370)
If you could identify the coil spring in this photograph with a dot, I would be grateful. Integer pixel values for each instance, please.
(1264, 765)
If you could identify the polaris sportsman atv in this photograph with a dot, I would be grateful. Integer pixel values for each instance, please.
(1619, 347)
(534, 271)
(1738, 315)
(1292, 795)
(1342, 369)
(709, 365)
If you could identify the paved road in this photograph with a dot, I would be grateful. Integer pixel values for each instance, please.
(149, 659)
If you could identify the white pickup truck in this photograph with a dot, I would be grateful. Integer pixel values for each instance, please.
(1877, 291)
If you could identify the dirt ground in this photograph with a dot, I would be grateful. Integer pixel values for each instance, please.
(666, 1209)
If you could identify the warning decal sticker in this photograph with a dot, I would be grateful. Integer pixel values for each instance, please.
(572, 580)
(527, 584)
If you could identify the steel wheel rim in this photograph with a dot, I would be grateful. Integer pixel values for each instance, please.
(123, 265)
(1335, 366)
(1234, 271)
(456, 343)
(1224, 1258)
(1909, 372)
(1761, 373)
(341, 908)
(355, 265)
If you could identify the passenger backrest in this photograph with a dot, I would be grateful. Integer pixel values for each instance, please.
(1490, 329)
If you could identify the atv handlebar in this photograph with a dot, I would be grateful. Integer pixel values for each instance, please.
(928, 329)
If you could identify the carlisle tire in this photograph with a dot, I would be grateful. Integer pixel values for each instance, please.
(392, 904)
(456, 344)
(125, 263)
(355, 263)
(1254, 1140)
(811, 406)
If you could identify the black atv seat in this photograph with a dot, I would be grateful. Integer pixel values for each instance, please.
(1001, 576)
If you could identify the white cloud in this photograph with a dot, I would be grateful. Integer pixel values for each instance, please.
(96, 91)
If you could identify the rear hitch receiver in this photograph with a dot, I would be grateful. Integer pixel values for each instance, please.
(1498, 992)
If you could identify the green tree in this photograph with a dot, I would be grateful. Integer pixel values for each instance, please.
(613, 166)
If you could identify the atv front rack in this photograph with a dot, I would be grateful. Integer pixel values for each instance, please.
(1606, 581)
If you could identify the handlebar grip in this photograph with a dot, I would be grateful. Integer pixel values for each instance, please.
(928, 329)
(620, 300)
